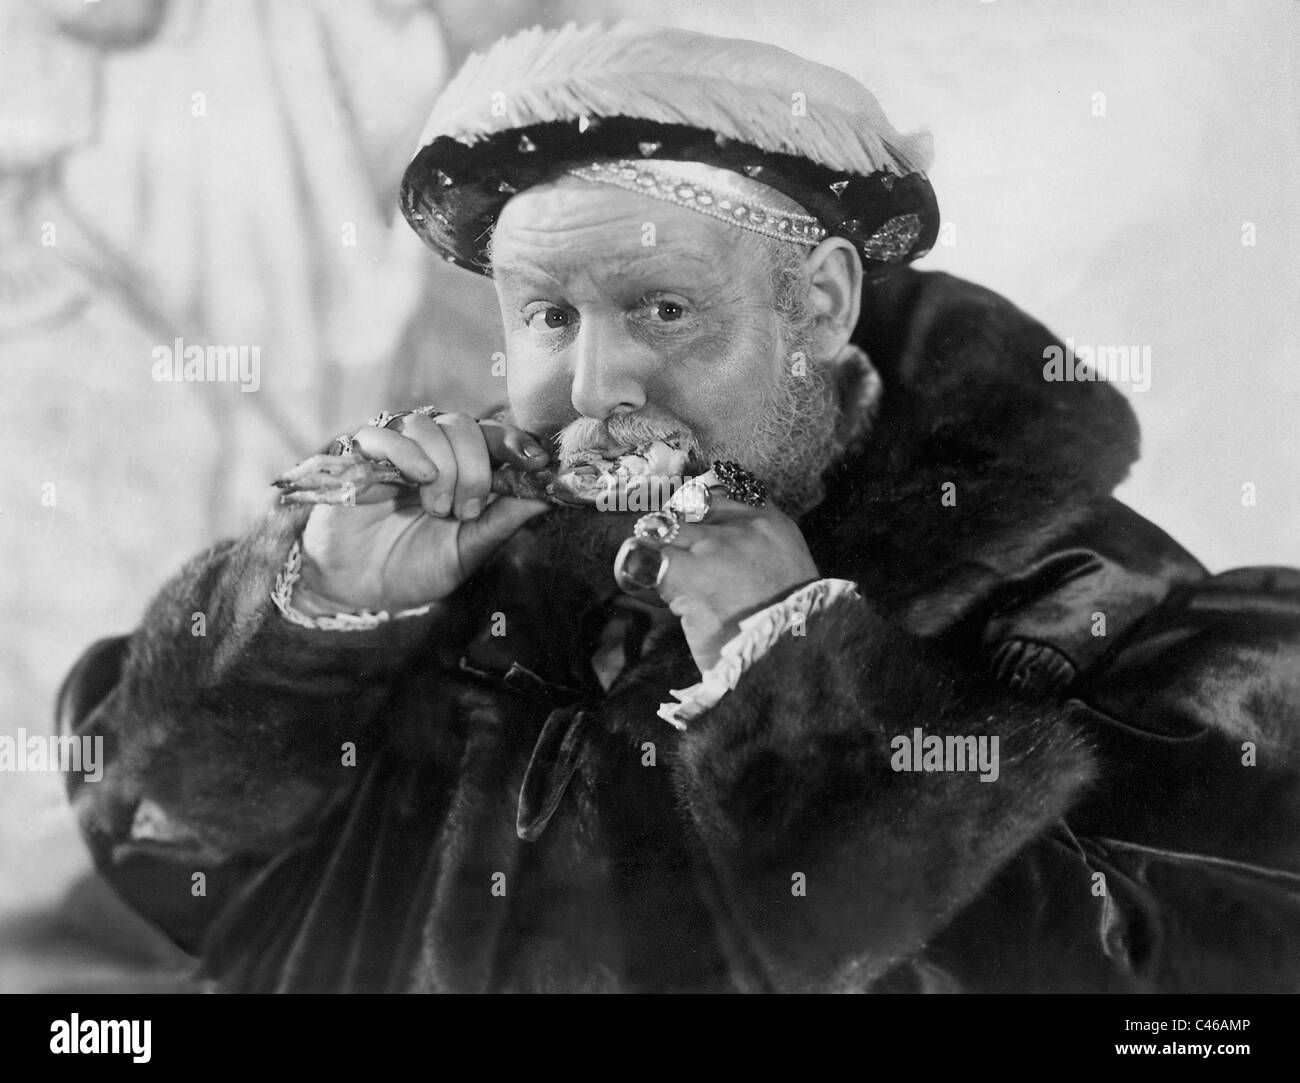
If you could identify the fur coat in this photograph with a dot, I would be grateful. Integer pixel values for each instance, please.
(503, 823)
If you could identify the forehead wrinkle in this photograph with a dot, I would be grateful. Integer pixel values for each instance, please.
(543, 215)
(613, 265)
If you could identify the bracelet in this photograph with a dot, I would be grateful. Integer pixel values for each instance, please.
(282, 596)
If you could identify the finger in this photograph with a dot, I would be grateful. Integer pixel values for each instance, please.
(473, 464)
(406, 455)
(436, 495)
(681, 577)
(503, 517)
(703, 538)
(723, 509)
(508, 444)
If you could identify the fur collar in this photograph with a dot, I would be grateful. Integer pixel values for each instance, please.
(973, 453)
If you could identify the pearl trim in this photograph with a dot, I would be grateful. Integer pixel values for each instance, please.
(726, 196)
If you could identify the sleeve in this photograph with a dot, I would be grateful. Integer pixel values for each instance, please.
(838, 852)
(1180, 873)
(758, 632)
(225, 727)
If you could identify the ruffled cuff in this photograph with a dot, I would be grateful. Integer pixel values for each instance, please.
(758, 633)
(364, 621)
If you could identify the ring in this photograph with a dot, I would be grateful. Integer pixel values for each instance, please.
(639, 569)
(691, 502)
(385, 418)
(739, 484)
(657, 526)
(343, 445)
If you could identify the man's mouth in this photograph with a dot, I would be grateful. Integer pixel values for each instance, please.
(671, 454)
(603, 473)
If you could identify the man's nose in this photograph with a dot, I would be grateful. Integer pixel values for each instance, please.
(607, 378)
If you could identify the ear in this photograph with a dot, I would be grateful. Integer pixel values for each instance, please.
(835, 291)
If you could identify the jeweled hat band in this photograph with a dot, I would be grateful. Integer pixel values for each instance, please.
(707, 189)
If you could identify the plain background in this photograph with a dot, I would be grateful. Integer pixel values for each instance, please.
(222, 218)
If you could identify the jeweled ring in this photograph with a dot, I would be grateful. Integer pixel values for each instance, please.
(383, 419)
(739, 484)
(657, 526)
(691, 502)
(343, 445)
(639, 569)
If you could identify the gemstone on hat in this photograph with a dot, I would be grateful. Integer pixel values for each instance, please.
(647, 149)
(526, 145)
(838, 188)
(893, 239)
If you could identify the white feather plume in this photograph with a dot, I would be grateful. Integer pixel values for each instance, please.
(743, 89)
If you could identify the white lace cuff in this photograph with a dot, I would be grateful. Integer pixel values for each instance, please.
(282, 596)
(758, 634)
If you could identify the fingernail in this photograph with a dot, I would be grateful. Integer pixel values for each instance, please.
(442, 504)
(533, 451)
(471, 509)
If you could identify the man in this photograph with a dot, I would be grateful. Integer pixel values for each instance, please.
(936, 714)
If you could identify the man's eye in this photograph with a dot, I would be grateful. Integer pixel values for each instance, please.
(547, 318)
(667, 311)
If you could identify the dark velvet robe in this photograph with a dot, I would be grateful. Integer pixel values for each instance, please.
(508, 825)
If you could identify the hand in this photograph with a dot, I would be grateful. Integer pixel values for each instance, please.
(397, 549)
(739, 560)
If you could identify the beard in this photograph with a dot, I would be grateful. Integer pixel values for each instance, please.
(789, 446)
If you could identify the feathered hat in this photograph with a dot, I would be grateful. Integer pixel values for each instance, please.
(546, 102)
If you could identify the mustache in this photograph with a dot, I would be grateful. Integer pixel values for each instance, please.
(622, 432)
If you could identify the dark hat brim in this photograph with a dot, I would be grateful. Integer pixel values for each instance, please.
(453, 191)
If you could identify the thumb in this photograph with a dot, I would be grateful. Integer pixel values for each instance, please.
(480, 538)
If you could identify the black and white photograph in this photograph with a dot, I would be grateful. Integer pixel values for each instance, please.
(665, 497)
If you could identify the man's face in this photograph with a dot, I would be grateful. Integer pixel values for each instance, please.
(618, 309)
